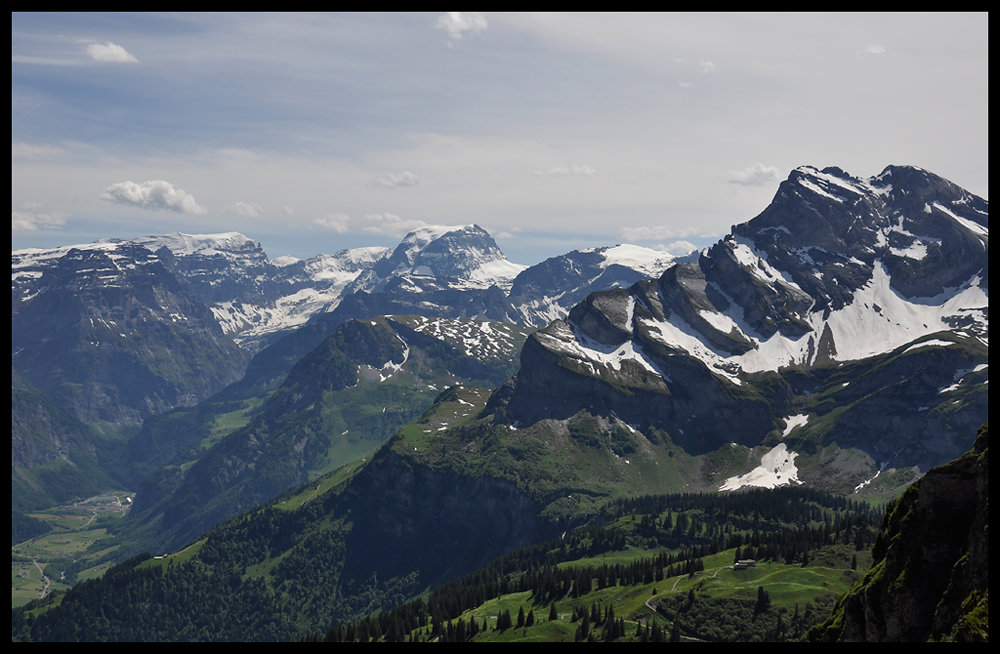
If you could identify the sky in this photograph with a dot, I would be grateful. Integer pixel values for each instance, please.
(315, 133)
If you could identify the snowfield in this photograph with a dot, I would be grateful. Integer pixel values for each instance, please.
(777, 468)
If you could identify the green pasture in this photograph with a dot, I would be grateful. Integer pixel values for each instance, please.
(76, 528)
(787, 585)
(176, 558)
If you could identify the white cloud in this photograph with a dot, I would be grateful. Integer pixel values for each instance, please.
(678, 248)
(28, 151)
(511, 233)
(248, 209)
(335, 221)
(567, 170)
(390, 224)
(756, 175)
(699, 65)
(405, 178)
(875, 49)
(156, 194)
(289, 211)
(655, 232)
(32, 220)
(458, 22)
(110, 52)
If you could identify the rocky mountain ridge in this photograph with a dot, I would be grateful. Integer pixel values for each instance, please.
(836, 271)
(256, 300)
(685, 381)
(807, 321)
(116, 331)
(112, 333)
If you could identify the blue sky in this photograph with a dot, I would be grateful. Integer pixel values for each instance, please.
(314, 133)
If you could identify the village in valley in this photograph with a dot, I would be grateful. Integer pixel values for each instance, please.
(41, 564)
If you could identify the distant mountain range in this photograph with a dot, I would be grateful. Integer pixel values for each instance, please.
(836, 270)
(254, 299)
(115, 332)
(121, 330)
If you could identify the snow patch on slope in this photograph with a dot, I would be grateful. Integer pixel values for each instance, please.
(562, 338)
(184, 245)
(791, 422)
(879, 320)
(777, 468)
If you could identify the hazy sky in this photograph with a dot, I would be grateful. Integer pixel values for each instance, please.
(314, 133)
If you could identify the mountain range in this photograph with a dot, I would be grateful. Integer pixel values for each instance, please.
(116, 332)
(838, 340)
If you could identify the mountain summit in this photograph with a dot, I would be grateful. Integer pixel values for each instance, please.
(465, 253)
(837, 270)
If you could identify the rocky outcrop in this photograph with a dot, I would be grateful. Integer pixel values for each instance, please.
(929, 578)
(671, 392)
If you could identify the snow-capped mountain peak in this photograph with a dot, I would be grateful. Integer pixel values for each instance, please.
(548, 290)
(225, 243)
(836, 269)
(858, 308)
(465, 252)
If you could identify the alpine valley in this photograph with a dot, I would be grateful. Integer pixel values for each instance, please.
(306, 444)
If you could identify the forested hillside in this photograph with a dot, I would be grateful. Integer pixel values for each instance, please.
(281, 572)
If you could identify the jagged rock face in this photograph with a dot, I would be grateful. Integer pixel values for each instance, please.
(467, 253)
(827, 229)
(113, 335)
(548, 290)
(930, 565)
(219, 267)
(641, 386)
(254, 298)
(835, 270)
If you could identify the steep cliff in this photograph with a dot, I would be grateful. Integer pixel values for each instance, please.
(113, 334)
(929, 578)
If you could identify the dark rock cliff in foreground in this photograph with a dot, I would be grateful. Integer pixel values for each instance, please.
(930, 574)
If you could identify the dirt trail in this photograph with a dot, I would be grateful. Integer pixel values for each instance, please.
(45, 590)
